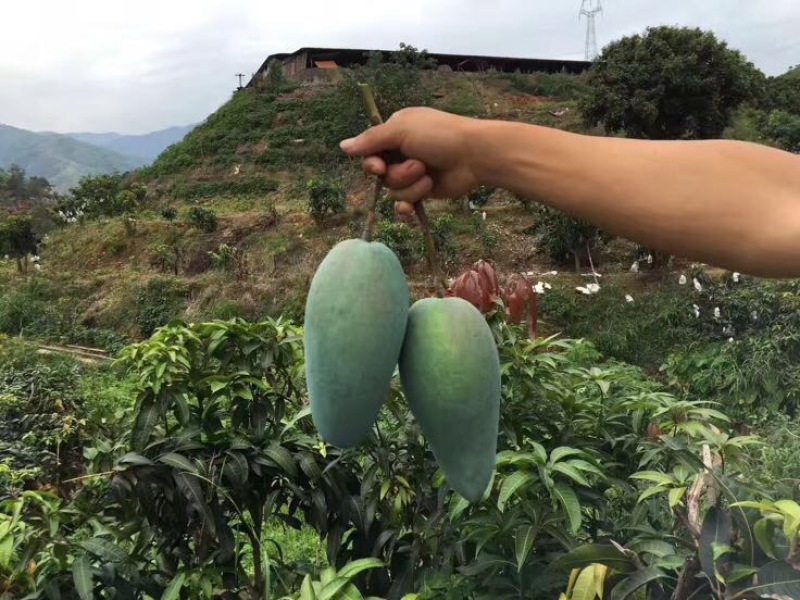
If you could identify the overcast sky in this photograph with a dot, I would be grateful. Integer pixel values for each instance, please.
(134, 67)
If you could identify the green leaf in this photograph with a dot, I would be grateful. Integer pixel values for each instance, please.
(282, 458)
(351, 569)
(764, 530)
(332, 588)
(562, 452)
(484, 563)
(510, 485)
(628, 586)
(569, 502)
(458, 504)
(523, 542)
(146, 420)
(302, 414)
(82, 576)
(178, 461)
(173, 591)
(716, 529)
(193, 492)
(236, 467)
(675, 496)
(105, 549)
(777, 580)
(307, 590)
(6, 550)
(655, 547)
(739, 572)
(584, 588)
(604, 554)
(654, 476)
(571, 472)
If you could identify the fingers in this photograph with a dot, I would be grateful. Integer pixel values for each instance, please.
(372, 141)
(404, 174)
(415, 192)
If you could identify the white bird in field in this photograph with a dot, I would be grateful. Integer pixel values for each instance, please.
(696, 311)
(716, 312)
(628, 298)
(635, 267)
(682, 280)
(697, 285)
(736, 277)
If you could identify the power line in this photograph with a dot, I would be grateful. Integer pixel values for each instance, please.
(590, 9)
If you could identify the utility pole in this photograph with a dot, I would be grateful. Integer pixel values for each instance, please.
(240, 75)
(590, 9)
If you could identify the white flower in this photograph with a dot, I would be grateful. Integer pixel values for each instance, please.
(716, 312)
(628, 298)
(730, 340)
(682, 280)
(696, 311)
(635, 267)
(697, 285)
(736, 277)
(539, 288)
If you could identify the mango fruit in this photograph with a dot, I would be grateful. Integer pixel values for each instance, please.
(355, 322)
(450, 371)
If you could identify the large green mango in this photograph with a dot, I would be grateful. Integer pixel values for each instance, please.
(355, 320)
(450, 370)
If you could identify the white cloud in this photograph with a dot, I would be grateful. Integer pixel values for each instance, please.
(135, 67)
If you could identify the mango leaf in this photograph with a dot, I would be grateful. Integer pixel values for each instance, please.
(523, 542)
(173, 591)
(764, 530)
(628, 586)
(82, 576)
(655, 547)
(135, 460)
(6, 549)
(351, 569)
(584, 588)
(307, 590)
(484, 563)
(739, 572)
(105, 549)
(569, 502)
(190, 486)
(716, 529)
(236, 467)
(178, 461)
(675, 496)
(302, 414)
(458, 504)
(283, 458)
(777, 580)
(511, 484)
(604, 554)
(562, 452)
(571, 472)
(146, 419)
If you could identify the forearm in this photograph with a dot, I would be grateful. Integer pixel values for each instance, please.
(731, 204)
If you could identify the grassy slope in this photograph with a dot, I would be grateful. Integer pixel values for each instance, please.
(102, 267)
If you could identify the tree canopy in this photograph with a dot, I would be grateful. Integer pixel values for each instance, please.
(670, 83)
(16, 187)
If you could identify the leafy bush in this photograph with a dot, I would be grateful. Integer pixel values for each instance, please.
(564, 237)
(442, 230)
(325, 197)
(405, 242)
(157, 303)
(169, 213)
(210, 189)
(231, 260)
(203, 219)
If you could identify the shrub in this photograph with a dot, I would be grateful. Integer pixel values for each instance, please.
(157, 303)
(325, 197)
(203, 219)
(442, 230)
(405, 242)
(230, 259)
(564, 237)
(560, 86)
(169, 213)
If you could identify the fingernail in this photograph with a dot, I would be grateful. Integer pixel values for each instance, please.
(348, 144)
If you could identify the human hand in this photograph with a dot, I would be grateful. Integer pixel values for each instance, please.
(440, 162)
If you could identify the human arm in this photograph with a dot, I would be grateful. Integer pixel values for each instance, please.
(731, 204)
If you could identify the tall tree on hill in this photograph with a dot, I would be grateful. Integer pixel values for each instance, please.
(670, 83)
(18, 239)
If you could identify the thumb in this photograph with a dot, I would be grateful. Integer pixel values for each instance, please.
(372, 141)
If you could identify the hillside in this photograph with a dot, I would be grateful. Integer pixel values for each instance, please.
(58, 158)
(143, 147)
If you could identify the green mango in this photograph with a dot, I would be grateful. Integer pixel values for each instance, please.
(450, 371)
(355, 322)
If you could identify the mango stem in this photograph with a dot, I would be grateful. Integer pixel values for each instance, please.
(419, 208)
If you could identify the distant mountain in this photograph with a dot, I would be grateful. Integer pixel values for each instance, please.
(61, 159)
(145, 147)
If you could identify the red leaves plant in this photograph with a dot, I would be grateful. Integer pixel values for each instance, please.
(479, 286)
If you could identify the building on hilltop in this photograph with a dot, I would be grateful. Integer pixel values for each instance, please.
(309, 64)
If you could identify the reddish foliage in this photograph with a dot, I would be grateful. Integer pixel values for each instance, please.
(470, 286)
(479, 286)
